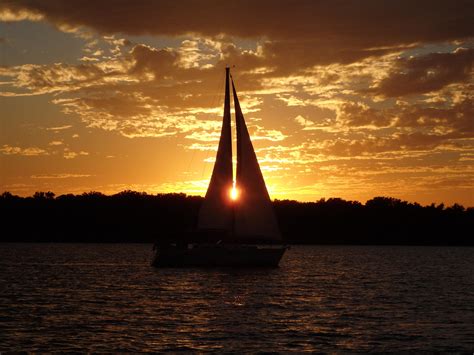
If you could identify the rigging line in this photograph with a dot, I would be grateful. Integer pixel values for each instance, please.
(191, 160)
(234, 134)
(216, 100)
(175, 144)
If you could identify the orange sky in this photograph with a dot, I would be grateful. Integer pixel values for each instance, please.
(342, 98)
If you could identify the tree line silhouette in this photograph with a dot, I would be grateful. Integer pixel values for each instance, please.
(131, 216)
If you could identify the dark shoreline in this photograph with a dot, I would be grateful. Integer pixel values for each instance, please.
(290, 244)
(132, 217)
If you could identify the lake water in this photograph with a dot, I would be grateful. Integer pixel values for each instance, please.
(96, 298)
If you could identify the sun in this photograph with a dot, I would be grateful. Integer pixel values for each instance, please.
(234, 193)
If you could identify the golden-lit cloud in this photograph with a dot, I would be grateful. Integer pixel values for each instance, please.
(28, 151)
(59, 176)
(11, 13)
(68, 154)
(58, 128)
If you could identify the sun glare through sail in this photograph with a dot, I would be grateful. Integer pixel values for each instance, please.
(234, 193)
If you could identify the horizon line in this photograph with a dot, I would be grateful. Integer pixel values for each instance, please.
(322, 199)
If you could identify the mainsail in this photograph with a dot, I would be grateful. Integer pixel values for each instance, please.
(254, 215)
(216, 210)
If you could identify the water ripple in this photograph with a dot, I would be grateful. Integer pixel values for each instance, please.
(103, 298)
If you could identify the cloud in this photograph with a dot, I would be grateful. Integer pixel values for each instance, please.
(359, 114)
(58, 128)
(58, 77)
(59, 176)
(158, 62)
(427, 73)
(442, 118)
(9, 12)
(455, 119)
(259, 133)
(302, 18)
(398, 143)
(195, 53)
(145, 92)
(151, 92)
(68, 154)
(299, 33)
(55, 143)
(29, 151)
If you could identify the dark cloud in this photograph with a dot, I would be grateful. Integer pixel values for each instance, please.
(455, 119)
(367, 23)
(300, 32)
(400, 142)
(159, 62)
(356, 114)
(289, 56)
(428, 73)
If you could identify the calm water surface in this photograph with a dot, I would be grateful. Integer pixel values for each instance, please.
(79, 297)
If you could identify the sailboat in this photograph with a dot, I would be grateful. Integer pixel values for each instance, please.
(237, 225)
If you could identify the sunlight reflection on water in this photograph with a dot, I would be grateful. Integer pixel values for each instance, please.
(79, 297)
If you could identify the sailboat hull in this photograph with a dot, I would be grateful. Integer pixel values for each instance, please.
(218, 255)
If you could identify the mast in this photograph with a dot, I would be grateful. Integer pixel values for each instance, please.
(216, 210)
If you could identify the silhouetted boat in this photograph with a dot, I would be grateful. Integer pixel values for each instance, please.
(237, 225)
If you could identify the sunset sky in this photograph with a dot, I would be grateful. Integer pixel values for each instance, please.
(350, 99)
